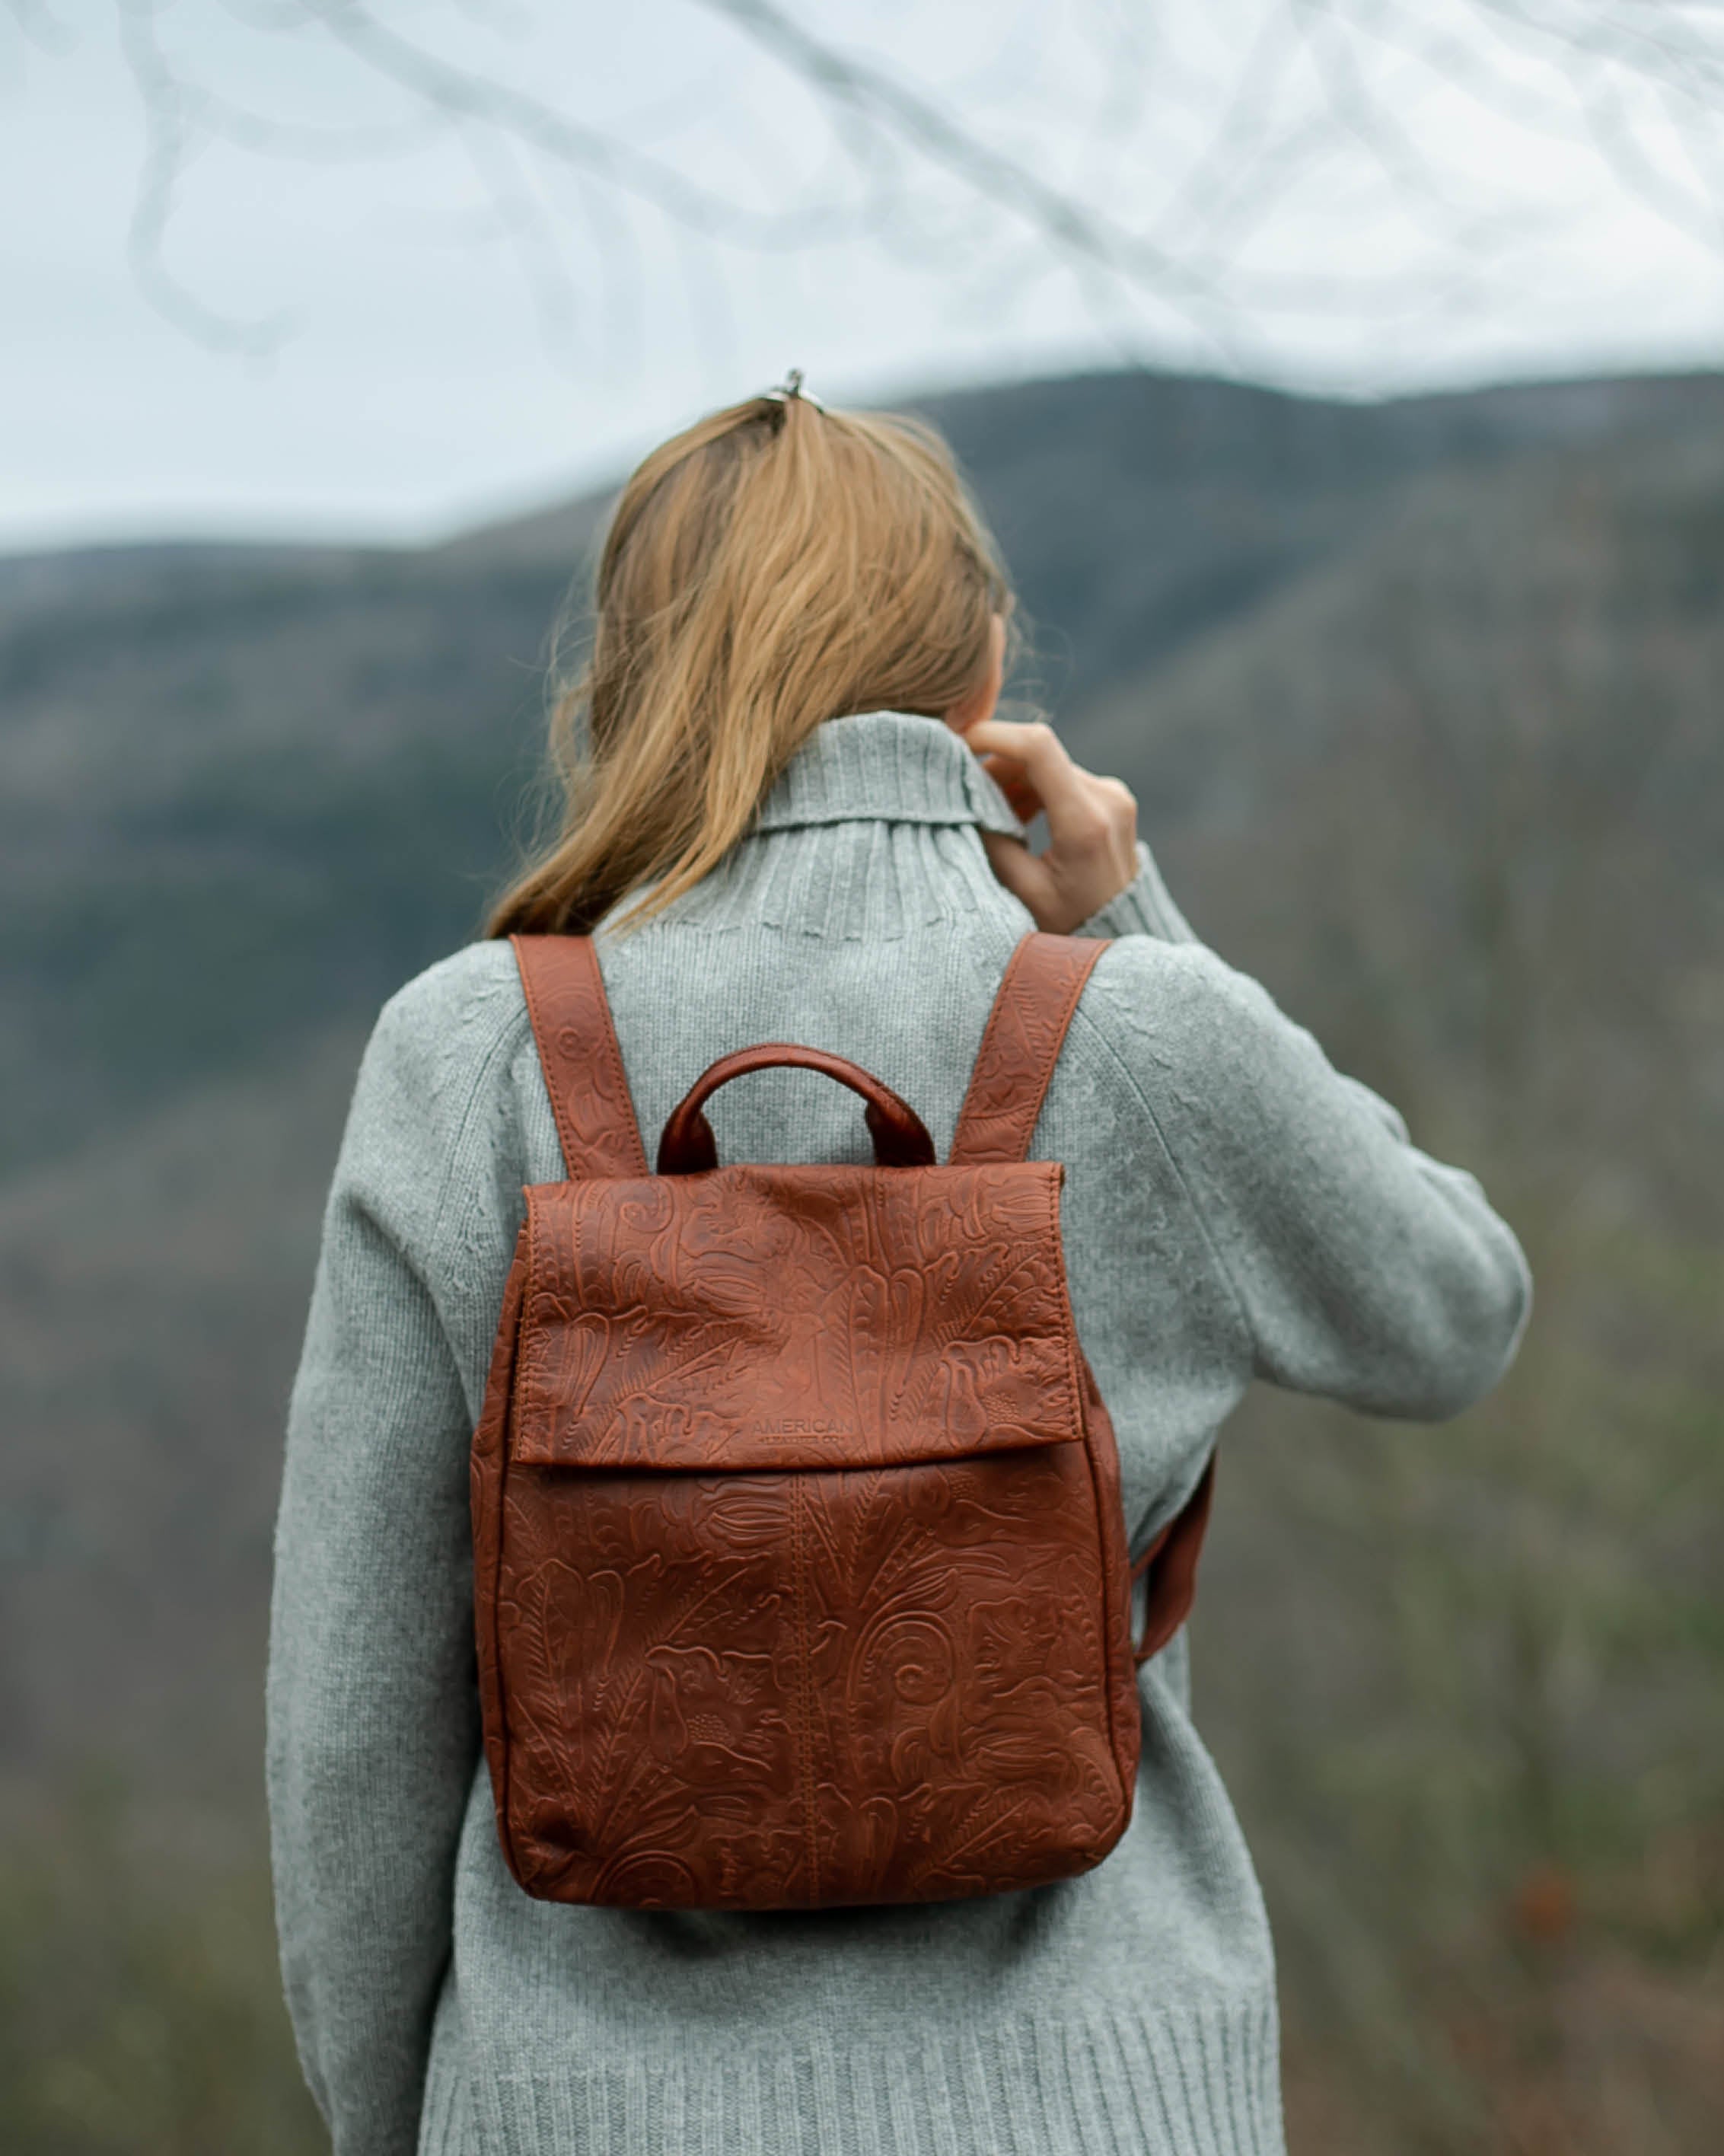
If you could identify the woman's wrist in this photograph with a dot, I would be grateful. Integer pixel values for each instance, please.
(1142, 908)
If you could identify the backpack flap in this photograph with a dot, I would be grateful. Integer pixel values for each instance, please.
(777, 1317)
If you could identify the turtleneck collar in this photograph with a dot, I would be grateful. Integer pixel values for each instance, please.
(873, 830)
(887, 766)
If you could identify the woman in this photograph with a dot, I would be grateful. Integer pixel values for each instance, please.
(801, 819)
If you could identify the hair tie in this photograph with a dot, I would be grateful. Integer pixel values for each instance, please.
(791, 387)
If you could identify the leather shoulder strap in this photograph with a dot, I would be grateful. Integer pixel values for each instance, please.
(1020, 1045)
(577, 1047)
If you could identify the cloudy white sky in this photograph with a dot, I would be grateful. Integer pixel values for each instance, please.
(453, 324)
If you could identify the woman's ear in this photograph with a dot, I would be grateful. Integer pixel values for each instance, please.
(978, 704)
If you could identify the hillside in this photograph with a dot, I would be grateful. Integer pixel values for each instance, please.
(1461, 799)
(1420, 702)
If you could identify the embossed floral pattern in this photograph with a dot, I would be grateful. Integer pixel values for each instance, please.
(800, 1575)
(781, 1317)
(792, 1689)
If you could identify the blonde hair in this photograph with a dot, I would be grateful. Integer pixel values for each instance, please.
(775, 565)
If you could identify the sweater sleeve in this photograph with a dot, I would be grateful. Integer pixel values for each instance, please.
(1362, 1268)
(373, 1730)
(1145, 907)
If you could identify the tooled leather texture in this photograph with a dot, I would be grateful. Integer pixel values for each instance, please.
(800, 1571)
(577, 1047)
(1020, 1044)
(779, 1317)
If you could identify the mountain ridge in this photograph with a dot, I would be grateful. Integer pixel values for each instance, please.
(244, 790)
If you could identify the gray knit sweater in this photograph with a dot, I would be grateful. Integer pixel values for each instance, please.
(1232, 1209)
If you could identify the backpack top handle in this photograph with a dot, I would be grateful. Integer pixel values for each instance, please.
(901, 1137)
(594, 1115)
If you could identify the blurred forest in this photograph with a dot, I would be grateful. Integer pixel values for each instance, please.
(1421, 703)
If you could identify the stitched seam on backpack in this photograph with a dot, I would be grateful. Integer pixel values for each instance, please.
(805, 1684)
(1109, 1616)
(493, 1602)
(1050, 1062)
(529, 1369)
(1068, 1323)
(1109, 1613)
(614, 1056)
(495, 1640)
(1047, 1053)
(567, 1136)
(1018, 1139)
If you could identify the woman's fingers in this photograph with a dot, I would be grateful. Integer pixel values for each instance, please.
(1039, 751)
(1008, 774)
(1092, 825)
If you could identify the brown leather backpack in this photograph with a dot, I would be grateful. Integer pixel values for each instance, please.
(800, 1571)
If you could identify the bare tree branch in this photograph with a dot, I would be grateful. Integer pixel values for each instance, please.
(170, 145)
(1334, 107)
(467, 94)
(916, 120)
(524, 222)
(42, 27)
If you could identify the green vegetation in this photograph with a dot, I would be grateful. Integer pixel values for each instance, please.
(141, 2009)
(1481, 1767)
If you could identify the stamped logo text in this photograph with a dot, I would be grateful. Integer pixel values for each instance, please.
(799, 1426)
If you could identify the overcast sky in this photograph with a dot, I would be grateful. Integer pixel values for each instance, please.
(451, 328)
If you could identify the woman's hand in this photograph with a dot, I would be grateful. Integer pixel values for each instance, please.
(1092, 825)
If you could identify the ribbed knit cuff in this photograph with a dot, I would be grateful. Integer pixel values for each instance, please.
(1143, 908)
